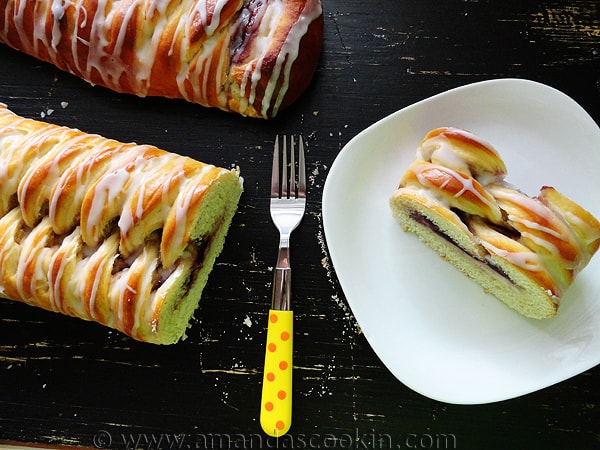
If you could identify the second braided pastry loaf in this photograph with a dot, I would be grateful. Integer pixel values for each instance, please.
(121, 234)
(253, 57)
(525, 250)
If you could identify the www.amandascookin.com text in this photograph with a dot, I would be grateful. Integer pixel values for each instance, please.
(357, 440)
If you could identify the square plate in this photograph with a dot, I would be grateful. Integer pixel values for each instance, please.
(435, 329)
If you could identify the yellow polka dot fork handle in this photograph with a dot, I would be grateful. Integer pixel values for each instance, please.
(276, 402)
(276, 399)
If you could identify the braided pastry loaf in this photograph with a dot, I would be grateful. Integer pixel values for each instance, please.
(526, 251)
(121, 234)
(253, 57)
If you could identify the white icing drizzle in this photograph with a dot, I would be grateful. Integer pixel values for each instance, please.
(286, 59)
(62, 258)
(444, 153)
(179, 213)
(94, 266)
(31, 262)
(529, 261)
(17, 22)
(39, 192)
(6, 138)
(551, 248)
(105, 193)
(466, 181)
(170, 169)
(529, 227)
(442, 144)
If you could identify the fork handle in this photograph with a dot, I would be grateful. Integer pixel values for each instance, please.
(276, 398)
(282, 277)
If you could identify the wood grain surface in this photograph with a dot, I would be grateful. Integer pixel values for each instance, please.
(65, 382)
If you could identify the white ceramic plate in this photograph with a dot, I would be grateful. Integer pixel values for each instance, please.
(434, 329)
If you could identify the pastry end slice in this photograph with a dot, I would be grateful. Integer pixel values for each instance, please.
(526, 251)
(206, 241)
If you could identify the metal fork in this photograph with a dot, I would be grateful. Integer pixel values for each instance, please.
(288, 203)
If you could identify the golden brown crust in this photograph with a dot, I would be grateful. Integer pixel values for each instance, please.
(583, 224)
(455, 189)
(463, 151)
(250, 57)
(540, 229)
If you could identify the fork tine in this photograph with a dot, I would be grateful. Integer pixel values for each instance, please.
(284, 177)
(283, 186)
(301, 170)
(275, 170)
(292, 168)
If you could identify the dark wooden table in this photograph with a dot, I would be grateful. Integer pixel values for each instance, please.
(67, 382)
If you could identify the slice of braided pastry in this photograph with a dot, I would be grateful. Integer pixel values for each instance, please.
(253, 57)
(121, 234)
(525, 250)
